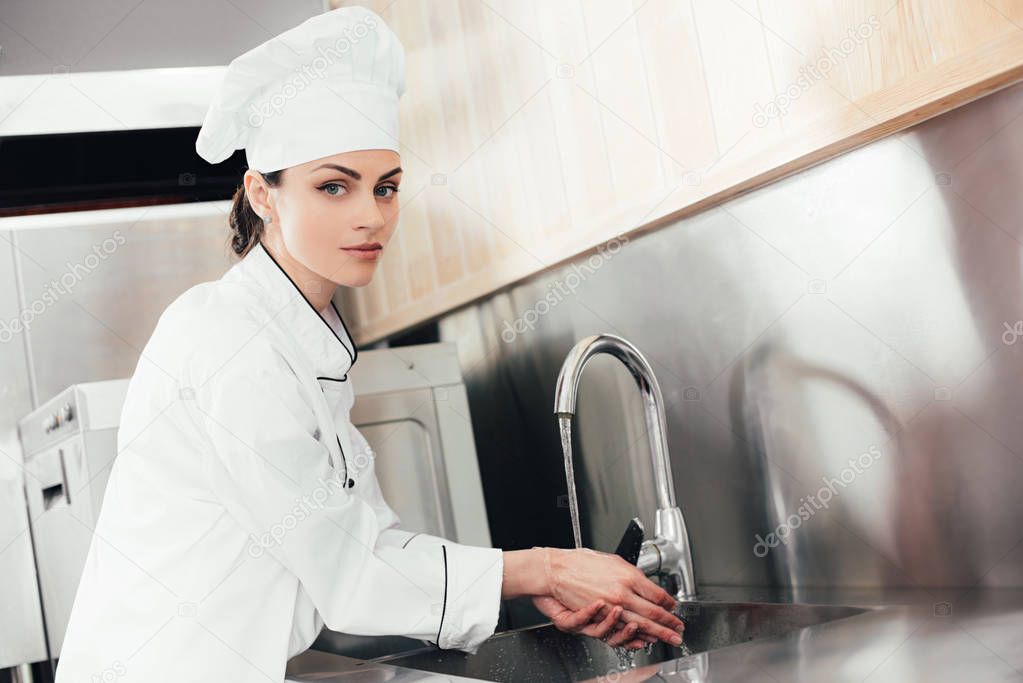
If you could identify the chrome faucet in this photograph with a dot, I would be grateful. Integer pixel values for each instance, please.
(668, 552)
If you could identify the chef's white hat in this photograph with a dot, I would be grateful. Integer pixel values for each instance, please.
(327, 86)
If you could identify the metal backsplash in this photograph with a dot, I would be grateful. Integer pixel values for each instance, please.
(838, 357)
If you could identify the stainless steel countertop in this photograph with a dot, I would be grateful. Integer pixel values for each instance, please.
(960, 635)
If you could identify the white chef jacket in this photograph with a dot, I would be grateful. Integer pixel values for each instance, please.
(243, 511)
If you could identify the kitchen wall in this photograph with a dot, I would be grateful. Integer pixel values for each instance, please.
(866, 309)
(847, 334)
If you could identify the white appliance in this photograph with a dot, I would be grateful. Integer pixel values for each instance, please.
(411, 405)
(69, 444)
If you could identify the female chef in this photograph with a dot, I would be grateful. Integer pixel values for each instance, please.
(242, 513)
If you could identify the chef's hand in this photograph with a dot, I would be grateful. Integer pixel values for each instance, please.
(597, 620)
(577, 578)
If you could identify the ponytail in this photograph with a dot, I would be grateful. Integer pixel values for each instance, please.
(246, 224)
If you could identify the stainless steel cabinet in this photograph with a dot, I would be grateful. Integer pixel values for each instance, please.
(411, 405)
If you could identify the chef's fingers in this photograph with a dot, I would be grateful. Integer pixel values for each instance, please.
(605, 626)
(636, 644)
(626, 634)
(654, 593)
(578, 619)
(653, 628)
(645, 608)
(646, 637)
(639, 639)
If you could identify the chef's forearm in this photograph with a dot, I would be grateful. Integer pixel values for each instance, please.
(524, 574)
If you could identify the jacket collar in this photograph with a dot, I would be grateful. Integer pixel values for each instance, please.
(330, 352)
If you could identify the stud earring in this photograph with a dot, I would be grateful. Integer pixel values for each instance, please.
(267, 219)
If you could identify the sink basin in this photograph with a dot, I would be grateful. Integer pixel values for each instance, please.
(542, 653)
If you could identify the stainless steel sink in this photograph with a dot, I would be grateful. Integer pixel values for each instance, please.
(543, 653)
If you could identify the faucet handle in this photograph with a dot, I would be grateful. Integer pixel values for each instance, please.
(632, 541)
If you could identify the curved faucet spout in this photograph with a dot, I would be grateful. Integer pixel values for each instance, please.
(567, 389)
(668, 553)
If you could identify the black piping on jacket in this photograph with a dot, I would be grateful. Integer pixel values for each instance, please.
(353, 354)
(444, 609)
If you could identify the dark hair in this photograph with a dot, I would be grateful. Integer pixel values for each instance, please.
(246, 225)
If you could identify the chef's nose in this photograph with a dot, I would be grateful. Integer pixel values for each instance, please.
(368, 213)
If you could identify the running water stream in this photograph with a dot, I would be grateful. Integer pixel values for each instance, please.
(565, 425)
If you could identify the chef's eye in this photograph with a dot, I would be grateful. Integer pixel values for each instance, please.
(394, 189)
(333, 192)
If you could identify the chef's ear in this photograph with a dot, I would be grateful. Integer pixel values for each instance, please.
(252, 209)
(257, 192)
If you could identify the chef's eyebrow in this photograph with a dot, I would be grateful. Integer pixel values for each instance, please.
(352, 172)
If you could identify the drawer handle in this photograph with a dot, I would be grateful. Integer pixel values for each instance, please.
(52, 495)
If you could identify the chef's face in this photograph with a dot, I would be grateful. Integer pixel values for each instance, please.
(328, 207)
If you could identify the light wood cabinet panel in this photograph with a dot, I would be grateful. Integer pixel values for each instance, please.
(534, 131)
